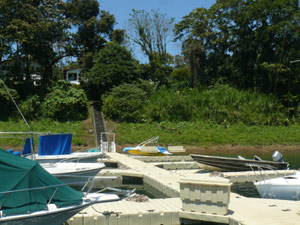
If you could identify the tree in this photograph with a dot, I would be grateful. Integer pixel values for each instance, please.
(244, 43)
(94, 28)
(151, 31)
(195, 31)
(33, 30)
(113, 66)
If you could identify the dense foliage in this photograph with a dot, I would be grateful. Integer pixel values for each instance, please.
(250, 47)
(248, 44)
(219, 104)
(125, 103)
(65, 102)
(113, 66)
(7, 105)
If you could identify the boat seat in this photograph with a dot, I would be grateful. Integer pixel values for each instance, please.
(149, 149)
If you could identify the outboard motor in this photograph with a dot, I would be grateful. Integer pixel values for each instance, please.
(277, 157)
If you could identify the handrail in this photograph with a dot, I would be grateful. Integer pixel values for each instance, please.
(58, 186)
(151, 140)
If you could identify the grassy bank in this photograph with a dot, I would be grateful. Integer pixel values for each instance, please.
(79, 129)
(206, 134)
(170, 133)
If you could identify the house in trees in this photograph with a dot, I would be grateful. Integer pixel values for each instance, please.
(72, 75)
(18, 69)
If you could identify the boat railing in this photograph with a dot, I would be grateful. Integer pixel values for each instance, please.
(153, 140)
(90, 179)
(263, 173)
(25, 135)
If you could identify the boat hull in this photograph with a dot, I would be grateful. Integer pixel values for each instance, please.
(56, 216)
(88, 157)
(285, 188)
(46, 217)
(138, 152)
(73, 172)
(226, 164)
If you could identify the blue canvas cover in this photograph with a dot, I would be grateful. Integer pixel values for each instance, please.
(59, 144)
(20, 173)
(27, 146)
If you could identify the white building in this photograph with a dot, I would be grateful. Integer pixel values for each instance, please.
(72, 76)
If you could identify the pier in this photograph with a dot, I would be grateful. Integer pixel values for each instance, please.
(191, 196)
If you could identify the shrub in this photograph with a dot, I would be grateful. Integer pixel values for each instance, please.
(31, 107)
(169, 105)
(125, 103)
(7, 106)
(220, 104)
(65, 102)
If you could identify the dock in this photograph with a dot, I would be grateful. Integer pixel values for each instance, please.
(190, 196)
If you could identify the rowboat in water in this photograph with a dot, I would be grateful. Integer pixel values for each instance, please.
(221, 163)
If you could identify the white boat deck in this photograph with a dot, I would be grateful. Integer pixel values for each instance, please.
(241, 210)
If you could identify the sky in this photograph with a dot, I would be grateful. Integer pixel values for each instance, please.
(172, 8)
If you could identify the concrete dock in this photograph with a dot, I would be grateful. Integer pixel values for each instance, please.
(191, 196)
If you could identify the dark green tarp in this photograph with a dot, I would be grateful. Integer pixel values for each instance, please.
(20, 173)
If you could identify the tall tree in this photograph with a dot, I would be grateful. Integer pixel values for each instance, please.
(113, 66)
(33, 28)
(195, 31)
(151, 31)
(247, 43)
(93, 29)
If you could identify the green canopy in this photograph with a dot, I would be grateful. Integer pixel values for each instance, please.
(20, 173)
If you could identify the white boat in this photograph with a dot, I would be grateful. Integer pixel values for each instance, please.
(53, 215)
(85, 157)
(56, 147)
(51, 147)
(70, 172)
(287, 187)
(30, 195)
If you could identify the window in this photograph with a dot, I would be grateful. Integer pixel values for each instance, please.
(72, 76)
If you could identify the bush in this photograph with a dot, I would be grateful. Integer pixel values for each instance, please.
(169, 105)
(7, 106)
(31, 107)
(65, 102)
(220, 104)
(125, 103)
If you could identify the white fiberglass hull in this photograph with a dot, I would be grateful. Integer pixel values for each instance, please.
(287, 188)
(74, 157)
(56, 216)
(73, 172)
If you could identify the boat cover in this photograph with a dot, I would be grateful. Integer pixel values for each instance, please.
(21, 173)
(27, 146)
(59, 144)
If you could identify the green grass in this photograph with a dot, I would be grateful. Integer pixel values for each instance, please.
(74, 127)
(170, 133)
(206, 134)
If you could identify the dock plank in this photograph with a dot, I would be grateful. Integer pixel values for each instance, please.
(242, 210)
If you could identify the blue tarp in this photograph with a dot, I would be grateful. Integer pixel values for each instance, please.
(27, 146)
(55, 144)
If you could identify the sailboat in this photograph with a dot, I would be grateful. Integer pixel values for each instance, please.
(30, 195)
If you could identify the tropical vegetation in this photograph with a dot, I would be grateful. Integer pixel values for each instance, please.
(239, 64)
